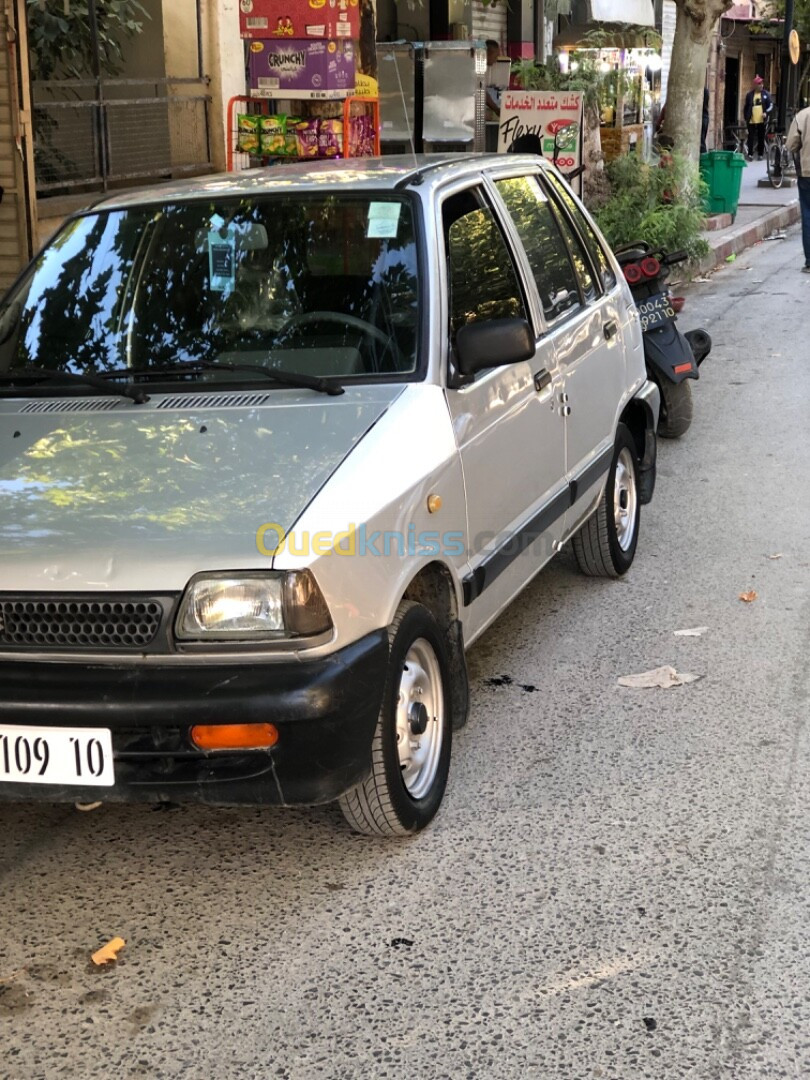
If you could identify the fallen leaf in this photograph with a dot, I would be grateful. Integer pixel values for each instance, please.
(109, 952)
(749, 597)
(701, 279)
(778, 555)
(696, 631)
(662, 677)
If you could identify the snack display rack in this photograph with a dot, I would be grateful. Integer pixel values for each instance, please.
(359, 115)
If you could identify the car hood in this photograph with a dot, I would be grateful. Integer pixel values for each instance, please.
(103, 494)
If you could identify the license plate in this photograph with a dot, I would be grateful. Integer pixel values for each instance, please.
(655, 310)
(80, 757)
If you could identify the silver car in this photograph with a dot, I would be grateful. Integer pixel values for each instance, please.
(275, 450)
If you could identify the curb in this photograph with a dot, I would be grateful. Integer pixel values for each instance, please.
(745, 236)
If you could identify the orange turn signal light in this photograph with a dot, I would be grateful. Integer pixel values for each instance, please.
(234, 736)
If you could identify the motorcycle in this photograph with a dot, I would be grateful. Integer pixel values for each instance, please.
(672, 357)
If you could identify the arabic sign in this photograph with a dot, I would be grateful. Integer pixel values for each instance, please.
(544, 113)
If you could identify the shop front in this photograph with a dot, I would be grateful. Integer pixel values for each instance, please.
(618, 43)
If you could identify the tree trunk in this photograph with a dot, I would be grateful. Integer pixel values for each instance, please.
(594, 182)
(687, 73)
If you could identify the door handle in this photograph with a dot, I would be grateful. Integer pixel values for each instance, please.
(542, 379)
(611, 329)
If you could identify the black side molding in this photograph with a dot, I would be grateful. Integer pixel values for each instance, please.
(494, 565)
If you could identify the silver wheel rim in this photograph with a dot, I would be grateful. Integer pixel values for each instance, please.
(625, 498)
(420, 718)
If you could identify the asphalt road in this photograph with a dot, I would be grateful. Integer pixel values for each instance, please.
(618, 884)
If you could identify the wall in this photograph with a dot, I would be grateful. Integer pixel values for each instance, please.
(180, 39)
(14, 209)
(489, 22)
(224, 61)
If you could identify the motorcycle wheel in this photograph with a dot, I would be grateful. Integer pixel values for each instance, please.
(676, 409)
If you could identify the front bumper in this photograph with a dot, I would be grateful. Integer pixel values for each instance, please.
(325, 711)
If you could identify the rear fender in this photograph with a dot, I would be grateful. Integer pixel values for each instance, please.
(668, 354)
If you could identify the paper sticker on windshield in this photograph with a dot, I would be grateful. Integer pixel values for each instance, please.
(222, 260)
(383, 220)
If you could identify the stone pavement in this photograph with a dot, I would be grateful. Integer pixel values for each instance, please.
(762, 212)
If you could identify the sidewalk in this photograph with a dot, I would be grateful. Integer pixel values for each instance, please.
(762, 211)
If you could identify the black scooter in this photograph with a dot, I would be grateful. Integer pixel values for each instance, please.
(672, 358)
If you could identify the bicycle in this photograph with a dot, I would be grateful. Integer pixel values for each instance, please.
(738, 135)
(778, 159)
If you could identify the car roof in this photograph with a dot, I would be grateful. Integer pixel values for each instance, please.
(389, 173)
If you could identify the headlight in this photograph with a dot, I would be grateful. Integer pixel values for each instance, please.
(253, 606)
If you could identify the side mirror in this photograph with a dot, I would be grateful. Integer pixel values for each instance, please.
(495, 343)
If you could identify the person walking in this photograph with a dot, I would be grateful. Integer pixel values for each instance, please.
(756, 110)
(798, 144)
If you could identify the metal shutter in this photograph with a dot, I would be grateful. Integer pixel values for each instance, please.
(489, 22)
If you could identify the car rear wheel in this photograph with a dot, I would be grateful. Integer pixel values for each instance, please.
(676, 409)
(606, 544)
(410, 753)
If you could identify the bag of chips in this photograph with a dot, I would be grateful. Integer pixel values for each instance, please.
(361, 136)
(330, 139)
(274, 135)
(291, 137)
(247, 133)
(307, 133)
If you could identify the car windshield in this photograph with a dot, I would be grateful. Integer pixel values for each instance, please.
(322, 286)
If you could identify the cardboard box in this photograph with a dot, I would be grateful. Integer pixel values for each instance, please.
(302, 69)
(299, 20)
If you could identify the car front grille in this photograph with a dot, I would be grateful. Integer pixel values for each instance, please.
(123, 623)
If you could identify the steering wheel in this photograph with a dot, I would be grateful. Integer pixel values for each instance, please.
(352, 321)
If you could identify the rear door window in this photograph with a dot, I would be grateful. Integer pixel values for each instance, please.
(586, 231)
(547, 252)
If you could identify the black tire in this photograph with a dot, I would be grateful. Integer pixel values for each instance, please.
(676, 409)
(382, 804)
(775, 174)
(598, 548)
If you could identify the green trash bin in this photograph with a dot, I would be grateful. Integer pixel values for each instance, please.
(722, 172)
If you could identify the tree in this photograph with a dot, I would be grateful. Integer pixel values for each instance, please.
(687, 73)
(61, 40)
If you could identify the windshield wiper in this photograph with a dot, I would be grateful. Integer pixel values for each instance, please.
(98, 382)
(293, 379)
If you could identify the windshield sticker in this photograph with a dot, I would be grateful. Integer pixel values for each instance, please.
(383, 220)
(222, 260)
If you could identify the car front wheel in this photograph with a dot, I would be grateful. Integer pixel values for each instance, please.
(606, 544)
(410, 753)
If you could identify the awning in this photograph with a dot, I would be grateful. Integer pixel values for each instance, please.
(638, 12)
(615, 24)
